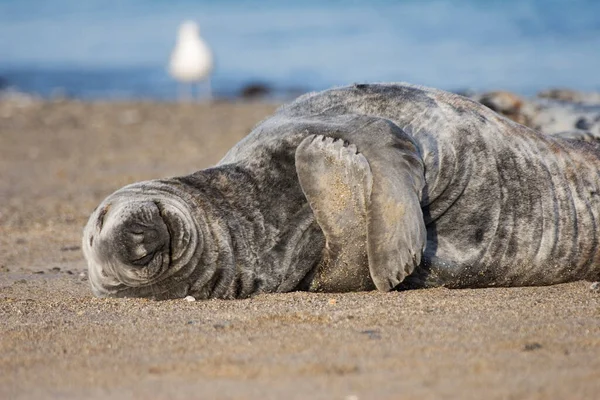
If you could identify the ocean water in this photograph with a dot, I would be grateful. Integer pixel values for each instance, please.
(109, 49)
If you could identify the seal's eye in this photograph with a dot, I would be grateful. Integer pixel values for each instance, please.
(101, 214)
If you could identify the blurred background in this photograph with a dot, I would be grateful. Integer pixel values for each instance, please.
(112, 49)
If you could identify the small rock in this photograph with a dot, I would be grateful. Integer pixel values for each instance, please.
(571, 96)
(83, 276)
(189, 298)
(560, 94)
(502, 102)
(255, 90)
(583, 124)
(595, 287)
(55, 270)
(332, 302)
(39, 272)
(4, 268)
(532, 346)
(372, 333)
(69, 248)
(222, 325)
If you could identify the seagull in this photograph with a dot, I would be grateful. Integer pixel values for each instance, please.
(191, 60)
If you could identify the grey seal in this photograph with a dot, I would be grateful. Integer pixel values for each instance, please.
(379, 186)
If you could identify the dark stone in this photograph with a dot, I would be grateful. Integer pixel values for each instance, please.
(583, 124)
(532, 346)
(255, 90)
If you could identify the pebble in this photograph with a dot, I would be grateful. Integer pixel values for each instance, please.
(532, 346)
(189, 298)
(583, 124)
(595, 287)
(372, 333)
(70, 248)
(222, 325)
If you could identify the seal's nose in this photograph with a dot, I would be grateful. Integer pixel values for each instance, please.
(141, 242)
(138, 232)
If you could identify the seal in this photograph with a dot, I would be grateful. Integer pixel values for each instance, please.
(383, 186)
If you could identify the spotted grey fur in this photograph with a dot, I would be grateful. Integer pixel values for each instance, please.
(428, 189)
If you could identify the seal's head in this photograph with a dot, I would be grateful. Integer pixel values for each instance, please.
(141, 242)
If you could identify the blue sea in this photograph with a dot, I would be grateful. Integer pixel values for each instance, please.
(117, 49)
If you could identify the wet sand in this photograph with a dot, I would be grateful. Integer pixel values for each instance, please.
(59, 159)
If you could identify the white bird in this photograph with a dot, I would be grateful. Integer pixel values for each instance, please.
(191, 60)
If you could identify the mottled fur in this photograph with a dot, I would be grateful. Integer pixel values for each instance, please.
(502, 205)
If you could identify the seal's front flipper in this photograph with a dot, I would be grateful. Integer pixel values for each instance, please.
(337, 183)
(365, 201)
(396, 230)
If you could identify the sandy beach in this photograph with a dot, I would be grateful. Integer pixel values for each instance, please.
(59, 159)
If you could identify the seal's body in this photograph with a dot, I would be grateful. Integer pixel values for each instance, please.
(356, 188)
